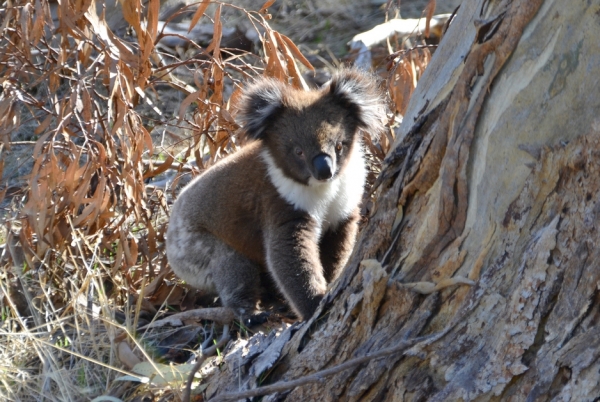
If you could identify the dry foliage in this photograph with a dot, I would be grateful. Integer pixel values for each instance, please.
(84, 242)
(405, 70)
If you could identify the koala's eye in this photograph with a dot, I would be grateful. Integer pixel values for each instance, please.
(339, 146)
(298, 151)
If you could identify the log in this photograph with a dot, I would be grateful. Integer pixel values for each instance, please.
(494, 178)
(403, 28)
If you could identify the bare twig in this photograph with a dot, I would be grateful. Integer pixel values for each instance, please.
(205, 354)
(320, 375)
(222, 315)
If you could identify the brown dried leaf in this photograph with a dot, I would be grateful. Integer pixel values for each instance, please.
(218, 86)
(37, 150)
(429, 10)
(38, 24)
(25, 22)
(297, 79)
(94, 207)
(146, 137)
(191, 98)
(121, 53)
(152, 26)
(121, 114)
(104, 212)
(150, 288)
(86, 215)
(25, 239)
(234, 99)
(126, 355)
(275, 67)
(81, 185)
(130, 250)
(401, 85)
(167, 293)
(85, 6)
(163, 167)
(131, 12)
(215, 44)
(118, 258)
(35, 208)
(43, 125)
(226, 119)
(87, 105)
(4, 190)
(268, 3)
(151, 239)
(71, 173)
(198, 14)
(296, 52)
(53, 81)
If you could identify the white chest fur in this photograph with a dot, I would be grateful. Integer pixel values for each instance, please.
(329, 203)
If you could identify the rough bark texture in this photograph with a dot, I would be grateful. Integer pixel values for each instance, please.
(495, 178)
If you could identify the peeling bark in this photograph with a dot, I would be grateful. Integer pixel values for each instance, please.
(495, 178)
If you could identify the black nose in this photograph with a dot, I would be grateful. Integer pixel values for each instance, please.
(323, 165)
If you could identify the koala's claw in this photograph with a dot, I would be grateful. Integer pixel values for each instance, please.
(257, 319)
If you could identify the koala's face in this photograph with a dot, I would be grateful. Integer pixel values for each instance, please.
(311, 138)
(311, 134)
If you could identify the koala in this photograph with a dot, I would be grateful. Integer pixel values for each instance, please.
(287, 203)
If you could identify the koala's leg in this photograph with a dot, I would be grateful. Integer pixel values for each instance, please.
(237, 280)
(336, 246)
(207, 263)
(293, 260)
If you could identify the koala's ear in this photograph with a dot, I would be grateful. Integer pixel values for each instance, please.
(359, 91)
(260, 102)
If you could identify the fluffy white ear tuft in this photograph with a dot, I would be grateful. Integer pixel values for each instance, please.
(359, 90)
(260, 102)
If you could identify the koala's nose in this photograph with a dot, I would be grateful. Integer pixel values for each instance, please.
(323, 165)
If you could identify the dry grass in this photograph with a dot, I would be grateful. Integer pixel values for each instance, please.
(83, 260)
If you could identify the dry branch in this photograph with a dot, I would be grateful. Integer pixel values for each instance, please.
(220, 315)
(402, 28)
(320, 375)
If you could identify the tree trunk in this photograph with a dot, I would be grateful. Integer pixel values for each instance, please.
(494, 178)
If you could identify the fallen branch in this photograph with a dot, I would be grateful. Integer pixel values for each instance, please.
(403, 28)
(221, 315)
(321, 375)
(205, 354)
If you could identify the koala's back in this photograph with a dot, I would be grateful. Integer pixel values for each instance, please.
(234, 201)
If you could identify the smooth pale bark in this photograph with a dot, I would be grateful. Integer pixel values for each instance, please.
(495, 178)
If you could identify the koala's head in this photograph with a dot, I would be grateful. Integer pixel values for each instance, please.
(310, 134)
